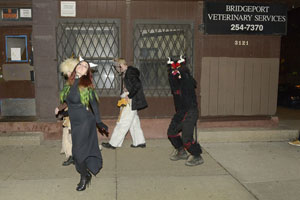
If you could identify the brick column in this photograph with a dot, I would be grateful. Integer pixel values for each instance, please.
(45, 15)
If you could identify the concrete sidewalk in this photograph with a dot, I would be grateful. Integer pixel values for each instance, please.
(232, 171)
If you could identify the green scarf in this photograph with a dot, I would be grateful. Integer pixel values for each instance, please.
(86, 94)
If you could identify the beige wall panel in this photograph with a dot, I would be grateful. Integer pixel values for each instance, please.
(256, 87)
(226, 87)
(239, 87)
(230, 85)
(264, 92)
(205, 86)
(274, 74)
(213, 87)
(248, 88)
(221, 93)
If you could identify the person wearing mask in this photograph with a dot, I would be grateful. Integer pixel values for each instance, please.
(183, 87)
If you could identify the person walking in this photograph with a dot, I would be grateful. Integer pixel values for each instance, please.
(183, 86)
(132, 100)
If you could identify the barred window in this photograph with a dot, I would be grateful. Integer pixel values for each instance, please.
(96, 42)
(153, 44)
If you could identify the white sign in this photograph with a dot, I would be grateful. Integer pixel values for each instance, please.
(25, 13)
(15, 54)
(68, 9)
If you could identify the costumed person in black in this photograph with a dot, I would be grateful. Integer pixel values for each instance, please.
(81, 98)
(66, 67)
(132, 100)
(183, 86)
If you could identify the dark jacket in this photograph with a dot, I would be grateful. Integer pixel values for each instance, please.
(183, 90)
(134, 86)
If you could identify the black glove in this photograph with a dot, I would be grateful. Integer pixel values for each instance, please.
(103, 129)
(61, 114)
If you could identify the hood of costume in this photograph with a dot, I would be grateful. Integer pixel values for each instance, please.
(134, 86)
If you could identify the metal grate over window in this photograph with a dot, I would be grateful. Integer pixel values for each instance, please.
(96, 42)
(153, 44)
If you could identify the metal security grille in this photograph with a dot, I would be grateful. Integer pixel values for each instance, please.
(96, 42)
(153, 44)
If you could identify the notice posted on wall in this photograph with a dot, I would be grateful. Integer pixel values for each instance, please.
(25, 13)
(15, 53)
(68, 9)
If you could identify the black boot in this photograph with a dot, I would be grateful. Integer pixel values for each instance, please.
(88, 178)
(82, 184)
(69, 161)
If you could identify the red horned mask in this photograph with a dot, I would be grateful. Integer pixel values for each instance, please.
(176, 65)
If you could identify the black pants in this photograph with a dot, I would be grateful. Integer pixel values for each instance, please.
(184, 122)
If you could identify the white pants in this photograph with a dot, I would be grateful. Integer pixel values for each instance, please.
(129, 120)
(67, 142)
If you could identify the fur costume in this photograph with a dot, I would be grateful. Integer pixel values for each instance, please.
(66, 137)
(68, 65)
